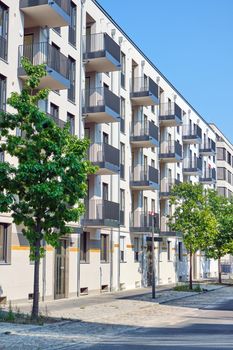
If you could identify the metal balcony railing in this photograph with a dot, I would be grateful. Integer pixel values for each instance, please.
(191, 131)
(98, 42)
(140, 84)
(58, 121)
(141, 173)
(192, 163)
(100, 209)
(171, 147)
(143, 219)
(208, 146)
(63, 4)
(168, 110)
(166, 185)
(103, 152)
(208, 174)
(145, 128)
(3, 47)
(96, 98)
(44, 53)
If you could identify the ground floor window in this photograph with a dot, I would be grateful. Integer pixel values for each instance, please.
(136, 249)
(122, 248)
(169, 250)
(3, 243)
(84, 247)
(180, 251)
(104, 248)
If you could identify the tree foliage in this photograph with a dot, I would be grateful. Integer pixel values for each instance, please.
(44, 191)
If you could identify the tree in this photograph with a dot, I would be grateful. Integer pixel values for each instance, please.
(193, 218)
(222, 244)
(44, 191)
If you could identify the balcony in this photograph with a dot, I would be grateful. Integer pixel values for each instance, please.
(208, 176)
(58, 121)
(144, 92)
(208, 148)
(141, 222)
(144, 134)
(192, 134)
(101, 213)
(166, 185)
(45, 13)
(56, 65)
(101, 106)
(165, 230)
(106, 157)
(170, 114)
(3, 48)
(192, 166)
(101, 53)
(144, 178)
(170, 152)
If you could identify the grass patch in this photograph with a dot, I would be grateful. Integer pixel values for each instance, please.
(11, 315)
(185, 288)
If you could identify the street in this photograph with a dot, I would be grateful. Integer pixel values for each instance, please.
(133, 321)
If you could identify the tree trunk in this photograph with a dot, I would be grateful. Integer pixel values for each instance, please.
(190, 270)
(219, 270)
(35, 306)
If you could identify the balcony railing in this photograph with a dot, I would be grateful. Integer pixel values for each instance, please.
(100, 212)
(208, 148)
(192, 134)
(3, 48)
(170, 151)
(56, 65)
(101, 46)
(143, 178)
(63, 4)
(170, 114)
(166, 185)
(192, 165)
(101, 100)
(144, 91)
(58, 121)
(208, 176)
(142, 221)
(105, 156)
(146, 133)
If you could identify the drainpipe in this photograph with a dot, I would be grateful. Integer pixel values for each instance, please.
(80, 131)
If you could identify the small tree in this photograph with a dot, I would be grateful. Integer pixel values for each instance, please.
(193, 218)
(222, 244)
(44, 190)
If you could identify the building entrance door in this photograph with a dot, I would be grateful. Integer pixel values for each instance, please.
(61, 270)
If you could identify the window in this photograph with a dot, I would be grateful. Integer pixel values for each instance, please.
(136, 249)
(72, 74)
(70, 120)
(54, 111)
(169, 250)
(122, 70)
(122, 115)
(221, 173)
(105, 138)
(2, 92)
(222, 191)
(104, 248)
(180, 251)
(2, 156)
(153, 109)
(84, 252)
(221, 153)
(3, 244)
(57, 30)
(105, 191)
(122, 206)
(4, 13)
(72, 27)
(122, 249)
(122, 160)
(153, 205)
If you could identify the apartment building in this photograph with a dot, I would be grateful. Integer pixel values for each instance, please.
(144, 137)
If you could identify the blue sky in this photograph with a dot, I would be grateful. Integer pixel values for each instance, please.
(191, 42)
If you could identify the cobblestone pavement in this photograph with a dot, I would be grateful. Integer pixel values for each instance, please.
(132, 322)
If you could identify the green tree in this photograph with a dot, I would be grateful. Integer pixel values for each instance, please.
(193, 218)
(44, 191)
(222, 244)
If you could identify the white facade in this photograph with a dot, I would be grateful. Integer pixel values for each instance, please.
(125, 113)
